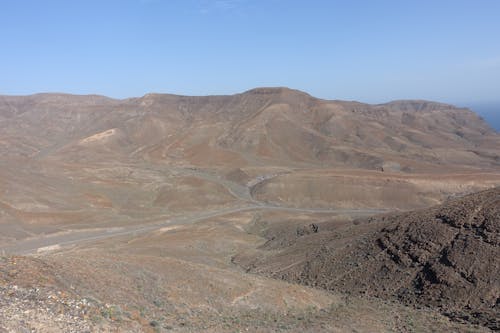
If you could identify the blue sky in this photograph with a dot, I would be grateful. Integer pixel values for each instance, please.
(372, 51)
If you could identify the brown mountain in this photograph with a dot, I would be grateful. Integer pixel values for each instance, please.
(88, 158)
(277, 126)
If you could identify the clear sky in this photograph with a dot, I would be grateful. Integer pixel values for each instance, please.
(372, 51)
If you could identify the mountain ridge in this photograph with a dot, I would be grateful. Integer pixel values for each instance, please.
(256, 90)
(280, 124)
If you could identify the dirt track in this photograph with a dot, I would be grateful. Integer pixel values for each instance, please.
(71, 237)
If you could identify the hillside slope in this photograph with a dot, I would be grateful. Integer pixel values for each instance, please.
(446, 257)
(276, 126)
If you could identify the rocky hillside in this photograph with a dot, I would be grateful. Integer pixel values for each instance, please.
(447, 257)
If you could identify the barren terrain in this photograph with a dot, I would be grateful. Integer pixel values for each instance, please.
(447, 257)
(147, 214)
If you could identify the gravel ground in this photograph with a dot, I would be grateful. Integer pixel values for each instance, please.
(45, 310)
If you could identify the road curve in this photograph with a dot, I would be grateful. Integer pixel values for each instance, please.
(56, 241)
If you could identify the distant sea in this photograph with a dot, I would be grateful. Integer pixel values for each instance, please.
(489, 112)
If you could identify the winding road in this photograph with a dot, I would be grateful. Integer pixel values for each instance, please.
(44, 243)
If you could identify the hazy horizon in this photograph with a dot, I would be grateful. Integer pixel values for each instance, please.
(366, 51)
(488, 111)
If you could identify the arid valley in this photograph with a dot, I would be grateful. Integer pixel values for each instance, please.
(265, 211)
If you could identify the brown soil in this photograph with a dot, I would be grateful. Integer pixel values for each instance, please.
(446, 257)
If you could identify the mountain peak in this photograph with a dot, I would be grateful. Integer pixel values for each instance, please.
(275, 91)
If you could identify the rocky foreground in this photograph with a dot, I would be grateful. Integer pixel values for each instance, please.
(446, 257)
(33, 299)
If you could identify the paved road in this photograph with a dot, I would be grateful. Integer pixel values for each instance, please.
(51, 242)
